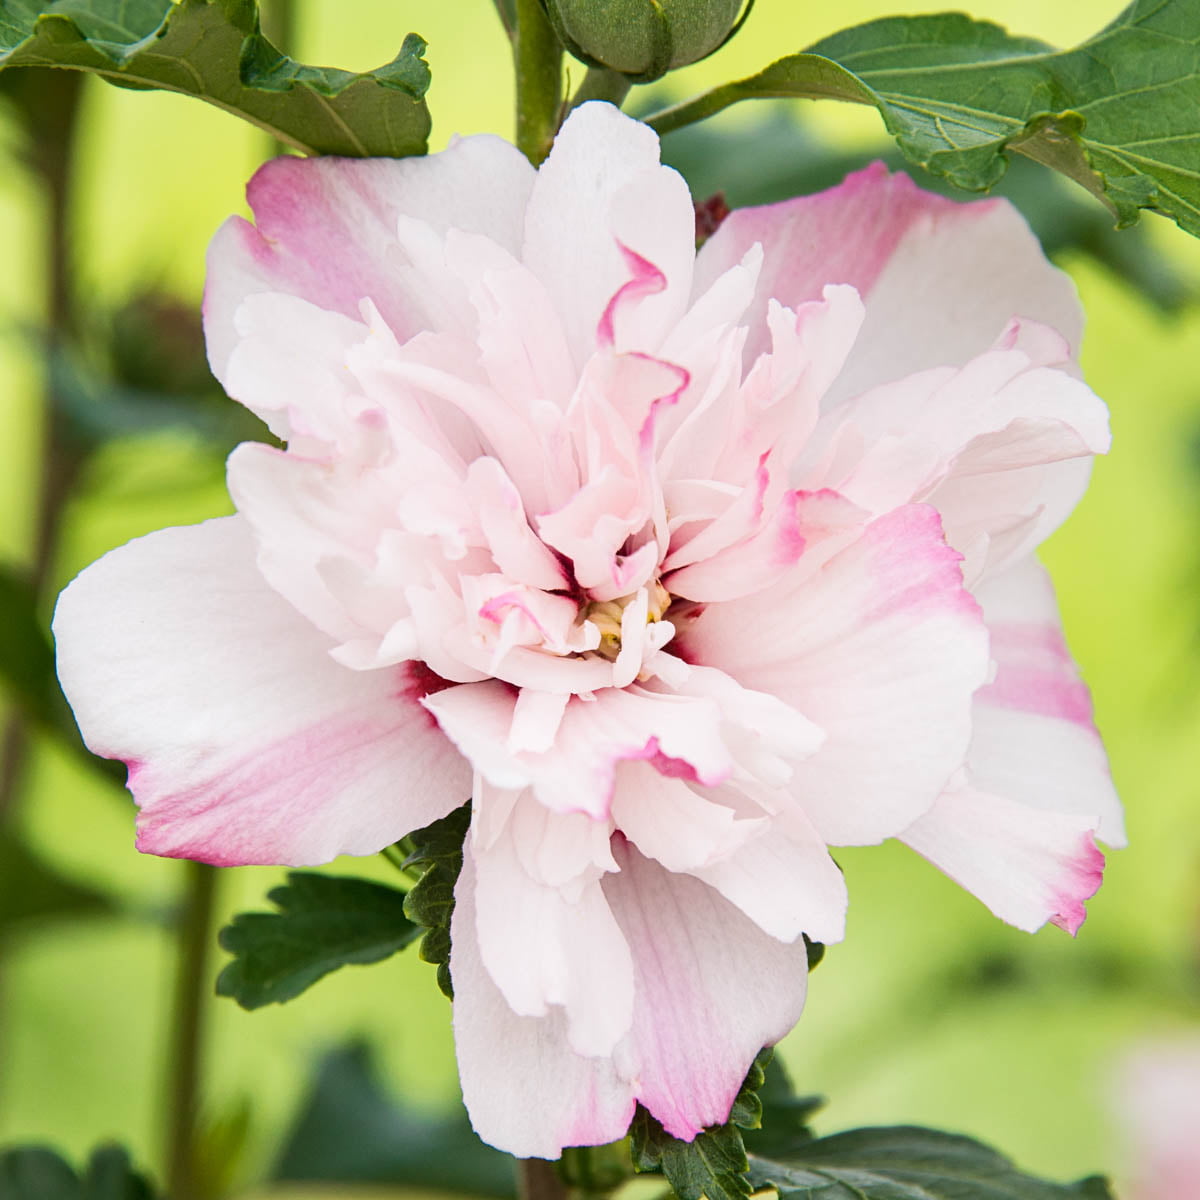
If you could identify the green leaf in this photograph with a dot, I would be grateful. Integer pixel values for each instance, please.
(906, 1163)
(35, 1173)
(1119, 114)
(30, 890)
(349, 1130)
(714, 1164)
(785, 1116)
(439, 849)
(214, 50)
(324, 922)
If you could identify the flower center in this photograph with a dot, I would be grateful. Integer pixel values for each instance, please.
(607, 616)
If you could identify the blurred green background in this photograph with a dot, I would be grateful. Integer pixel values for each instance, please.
(932, 1011)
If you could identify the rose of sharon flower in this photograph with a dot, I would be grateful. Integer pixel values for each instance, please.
(683, 567)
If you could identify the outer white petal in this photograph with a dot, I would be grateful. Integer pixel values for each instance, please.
(246, 742)
(712, 990)
(1029, 866)
(1034, 739)
(326, 230)
(1018, 829)
(527, 1091)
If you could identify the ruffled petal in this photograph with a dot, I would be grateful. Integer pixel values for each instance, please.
(553, 943)
(712, 991)
(680, 736)
(526, 1090)
(246, 742)
(882, 649)
(783, 879)
(1001, 447)
(677, 825)
(326, 230)
(940, 279)
(627, 221)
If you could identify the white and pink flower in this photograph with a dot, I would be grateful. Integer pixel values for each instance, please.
(683, 566)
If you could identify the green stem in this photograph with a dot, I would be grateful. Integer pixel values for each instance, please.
(185, 1061)
(602, 84)
(537, 57)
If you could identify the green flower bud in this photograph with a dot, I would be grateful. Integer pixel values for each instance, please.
(643, 39)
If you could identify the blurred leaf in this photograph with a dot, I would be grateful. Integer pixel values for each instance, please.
(30, 890)
(221, 1144)
(324, 922)
(26, 654)
(906, 1163)
(99, 407)
(27, 670)
(439, 848)
(714, 1163)
(214, 50)
(350, 1131)
(1120, 114)
(35, 1173)
(777, 158)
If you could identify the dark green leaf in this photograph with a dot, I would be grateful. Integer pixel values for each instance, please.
(35, 1173)
(906, 1163)
(31, 891)
(350, 1131)
(1120, 114)
(777, 158)
(713, 1164)
(324, 922)
(439, 849)
(215, 51)
(110, 1177)
(785, 1116)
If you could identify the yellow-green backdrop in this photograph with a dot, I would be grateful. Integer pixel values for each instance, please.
(911, 1019)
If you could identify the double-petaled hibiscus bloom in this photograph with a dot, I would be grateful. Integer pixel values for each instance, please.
(682, 566)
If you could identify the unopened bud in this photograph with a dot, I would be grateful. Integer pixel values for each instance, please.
(643, 39)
